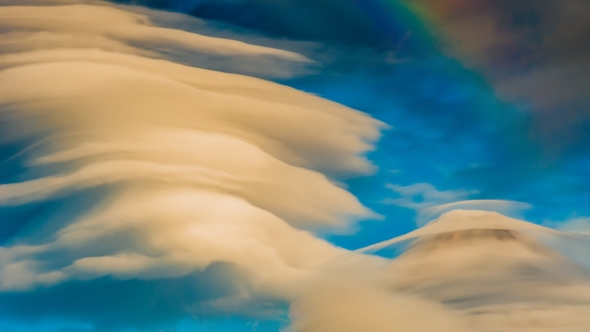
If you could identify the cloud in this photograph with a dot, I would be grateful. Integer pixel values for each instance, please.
(349, 307)
(179, 87)
(82, 26)
(429, 202)
(575, 245)
(160, 182)
(462, 220)
(357, 24)
(533, 54)
(525, 280)
(579, 225)
(421, 195)
(160, 233)
(156, 170)
(468, 270)
(506, 207)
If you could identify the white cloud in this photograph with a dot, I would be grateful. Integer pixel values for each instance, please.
(346, 306)
(578, 225)
(461, 220)
(125, 26)
(506, 207)
(205, 166)
(576, 244)
(429, 202)
(83, 26)
(421, 195)
(201, 166)
(473, 271)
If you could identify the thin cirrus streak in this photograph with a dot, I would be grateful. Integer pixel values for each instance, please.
(201, 166)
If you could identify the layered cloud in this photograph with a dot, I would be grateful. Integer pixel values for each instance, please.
(160, 170)
(493, 92)
(82, 25)
(146, 170)
(429, 202)
(348, 306)
(466, 271)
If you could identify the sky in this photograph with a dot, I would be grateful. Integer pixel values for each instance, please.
(192, 165)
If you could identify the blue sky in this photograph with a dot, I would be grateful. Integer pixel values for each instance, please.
(505, 132)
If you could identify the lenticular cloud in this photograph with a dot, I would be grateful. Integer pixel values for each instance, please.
(142, 153)
(184, 166)
(465, 271)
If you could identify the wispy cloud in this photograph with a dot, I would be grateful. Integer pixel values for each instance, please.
(429, 202)
(423, 195)
(489, 272)
(577, 224)
(82, 26)
(350, 306)
(201, 167)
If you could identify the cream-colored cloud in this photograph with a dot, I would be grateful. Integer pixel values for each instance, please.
(505, 207)
(26, 41)
(333, 138)
(104, 26)
(125, 26)
(198, 167)
(493, 272)
(579, 225)
(429, 202)
(462, 220)
(346, 306)
(302, 197)
(159, 232)
(474, 271)
(201, 166)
